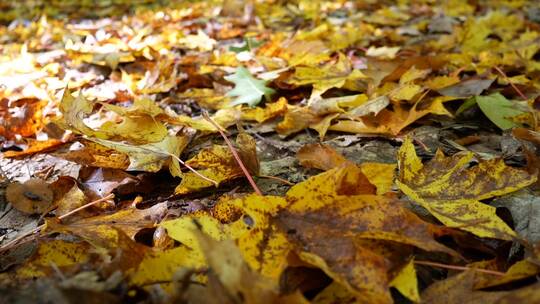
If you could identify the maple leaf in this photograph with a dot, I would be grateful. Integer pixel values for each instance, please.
(56, 252)
(234, 279)
(451, 191)
(331, 75)
(247, 89)
(248, 222)
(96, 155)
(328, 221)
(151, 157)
(218, 164)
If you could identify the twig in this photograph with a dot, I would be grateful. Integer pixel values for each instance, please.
(191, 169)
(108, 197)
(510, 82)
(455, 267)
(38, 229)
(277, 178)
(234, 152)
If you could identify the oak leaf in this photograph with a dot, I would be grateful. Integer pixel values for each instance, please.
(247, 89)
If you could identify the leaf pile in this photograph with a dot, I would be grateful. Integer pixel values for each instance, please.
(127, 141)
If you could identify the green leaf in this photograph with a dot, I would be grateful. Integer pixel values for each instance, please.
(499, 109)
(249, 44)
(247, 89)
(469, 103)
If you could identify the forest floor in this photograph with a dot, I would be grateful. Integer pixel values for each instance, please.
(272, 152)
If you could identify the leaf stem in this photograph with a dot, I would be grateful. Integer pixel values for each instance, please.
(456, 267)
(511, 83)
(38, 229)
(277, 178)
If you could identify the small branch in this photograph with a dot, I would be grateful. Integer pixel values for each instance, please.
(510, 82)
(193, 170)
(235, 153)
(38, 229)
(455, 267)
(108, 197)
(277, 178)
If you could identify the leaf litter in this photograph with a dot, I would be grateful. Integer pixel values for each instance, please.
(270, 152)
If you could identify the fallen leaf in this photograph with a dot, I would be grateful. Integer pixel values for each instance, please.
(451, 191)
(160, 266)
(71, 200)
(320, 156)
(96, 155)
(33, 196)
(151, 157)
(24, 118)
(61, 254)
(332, 75)
(231, 278)
(35, 146)
(247, 221)
(247, 89)
(129, 221)
(499, 110)
(467, 88)
(218, 164)
(270, 111)
(407, 283)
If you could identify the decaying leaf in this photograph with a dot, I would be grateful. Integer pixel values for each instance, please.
(112, 92)
(151, 157)
(325, 158)
(231, 278)
(328, 210)
(452, 192)
(218, 164)
(33, 196)
(407, 283)
(61, 254)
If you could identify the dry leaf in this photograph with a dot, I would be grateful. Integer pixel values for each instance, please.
(451, 191)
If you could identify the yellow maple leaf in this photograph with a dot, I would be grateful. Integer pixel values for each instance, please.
(218, 164)
(60, 253)
(451, 191)
(328, 221)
